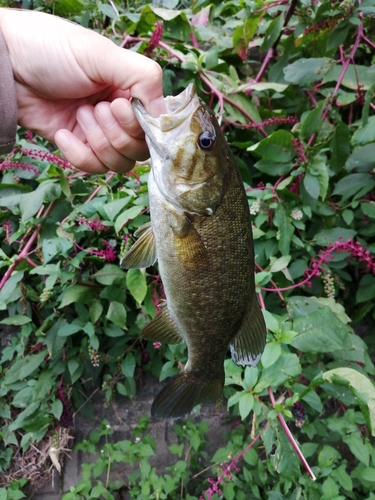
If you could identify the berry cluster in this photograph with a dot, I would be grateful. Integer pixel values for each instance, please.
(299, 413)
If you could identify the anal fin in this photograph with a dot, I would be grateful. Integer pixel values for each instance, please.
(143, 252)
(162, 329)
(247, 346)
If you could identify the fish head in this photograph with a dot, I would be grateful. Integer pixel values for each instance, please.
(188, 152)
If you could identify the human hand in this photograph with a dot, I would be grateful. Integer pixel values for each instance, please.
(73, 88)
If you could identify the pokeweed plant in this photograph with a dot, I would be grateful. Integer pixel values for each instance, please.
(292, 84)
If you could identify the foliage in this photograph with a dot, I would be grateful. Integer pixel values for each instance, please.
(293, 86)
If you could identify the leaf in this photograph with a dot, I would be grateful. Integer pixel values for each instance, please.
(244, 33)
(275, 168)
(43, 385)
(272, 33)
(339, 147)
(280, 263)
(286, 366)
(327, 237)
(95, 310)
(55, 246)
(117, 314)
(111, 330)
(362, 388)
(16, 320)
(364, 134)
(358, 448)
(128, 365)
(271, 354)
(320, 331)
(366, 289)
(277, 147)
(311, 121)
(311, 184)
(22, 368)
(76, 293)
(354, 185)
(110, 274)
(114, 207)
(362, 159)
(245, 404)
(286, 229)
(67, 329)
(305, 71)
(130, 213)
(136, 283)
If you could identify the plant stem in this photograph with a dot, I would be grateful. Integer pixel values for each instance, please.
(25, 251)
(291, 438)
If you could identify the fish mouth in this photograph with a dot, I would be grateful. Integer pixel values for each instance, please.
(176, 111)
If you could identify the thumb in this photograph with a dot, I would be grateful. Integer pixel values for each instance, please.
(127, 70)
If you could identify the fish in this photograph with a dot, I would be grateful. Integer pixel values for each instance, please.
(201, 235)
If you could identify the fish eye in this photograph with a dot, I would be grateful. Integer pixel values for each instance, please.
(206, 141)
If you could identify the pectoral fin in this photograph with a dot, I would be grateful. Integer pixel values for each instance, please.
(143, 252)
(247, 346)
(162, 329)
(189, 245)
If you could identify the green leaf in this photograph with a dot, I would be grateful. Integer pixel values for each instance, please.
(327, 237)
(136, 283)
(77, 293)
(168, 370)
(277, 147)
(67, 329)
(43, 385)
(124, 217)
(30, 203)
(362, 159)
(274, 168)
(271, 354)
(246, 404)
(320, 331)
(368, 474)
(110, 274)
(117, 314)
(364, 134)
(244, 33)
(366, 289)
(286, 366)
(339, 147)
(311, 184)
(311, 121)
(128, 365)
(358, 448)
(16, 320)
(279, 264)
(362, 388)
(286, 229)
(112, 330)
(354, 185)
(95, 310)
(272, 32)
(306, 71)
(114, 207)
(22, 368)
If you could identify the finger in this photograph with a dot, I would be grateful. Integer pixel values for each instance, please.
(80, 155)
(123, 112)
(120, 137)
(99, 143)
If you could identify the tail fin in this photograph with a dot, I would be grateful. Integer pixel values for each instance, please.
(180, 396)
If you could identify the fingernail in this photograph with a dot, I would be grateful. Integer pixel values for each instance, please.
(157, 107)
(63, 140)
(86, 118)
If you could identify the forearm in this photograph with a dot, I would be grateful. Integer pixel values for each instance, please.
(8, 101)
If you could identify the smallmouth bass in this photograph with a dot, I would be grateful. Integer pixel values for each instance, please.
(200, 233)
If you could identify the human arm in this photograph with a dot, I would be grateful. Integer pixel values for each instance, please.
(73, 88)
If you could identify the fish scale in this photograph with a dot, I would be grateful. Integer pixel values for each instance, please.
(200, 233)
